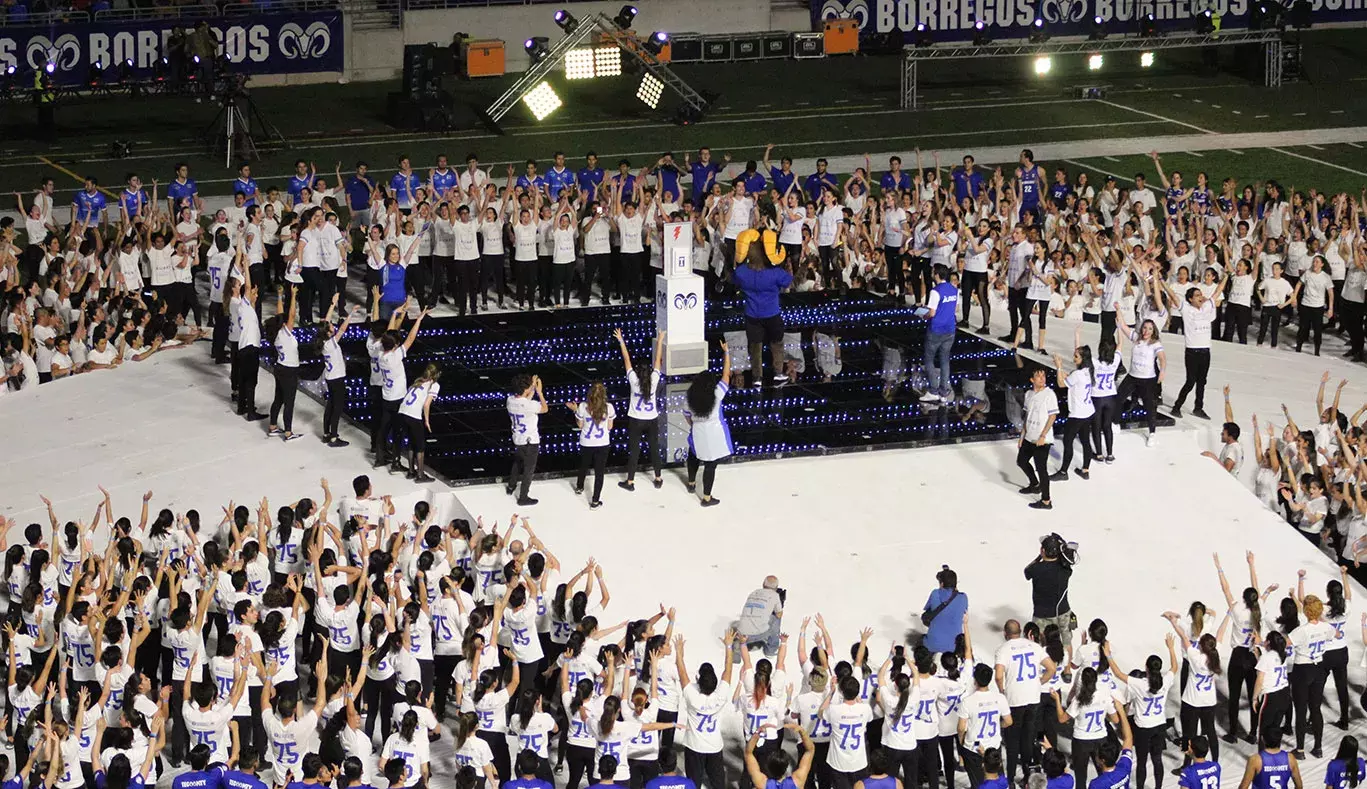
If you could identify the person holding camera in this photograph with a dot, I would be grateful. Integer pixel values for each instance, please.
(944, 612)
(760, 620)
(1048, 575)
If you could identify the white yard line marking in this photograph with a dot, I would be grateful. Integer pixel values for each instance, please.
(1314, 147)
(1236, 151)
(1194, 153)
(1155, 115)
(1116, 176)
(1319, 161)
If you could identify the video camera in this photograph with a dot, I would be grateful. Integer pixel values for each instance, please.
(1055, 547)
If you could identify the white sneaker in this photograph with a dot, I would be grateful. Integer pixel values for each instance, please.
(930, 397)
(1151, 440)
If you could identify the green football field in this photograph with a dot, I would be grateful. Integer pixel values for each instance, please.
(833, 107)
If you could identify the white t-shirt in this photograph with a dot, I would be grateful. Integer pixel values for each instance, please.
(1314, 286)
(703, 717)
(1039, 406)
(1196, 324)
(985, 710)
(595, 434)
(416, 398)
(1144, 357)
(393, 377)
(525, 414)
(1080, 394)
(640, 407)
(848, 723)
(1023, 662)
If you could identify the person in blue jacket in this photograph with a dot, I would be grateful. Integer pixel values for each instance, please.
(762, 277)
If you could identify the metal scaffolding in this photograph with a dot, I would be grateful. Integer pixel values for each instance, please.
(1271, 41)
(624, 39)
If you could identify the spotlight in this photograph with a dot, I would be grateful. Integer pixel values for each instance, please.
(1148, 25)
(1094, 63)
(95, 74)
(980, 34)
(651, 90)
(160, 69)
(1043, 66)
(536, 48)
(566, 21)
(1098, 29)
(923, 36)
(1205, 23)
(1039, 32)
(579, 64)
(656, 43)
(1145, 59)
(625, 17)
(50, 67)
(542, 100)
(607, 62)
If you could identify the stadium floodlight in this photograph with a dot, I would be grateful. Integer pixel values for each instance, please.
(542, 100)
(607, 62)
(536, 48)
(1145, 59)
(1148, 25)
(566, 21)
(656, 43)
(1039, 31)
(579, 64)
(1043, 65)
(1098, 29)
(625, 17)
(1094, 62)
(980, 34)
(651, 90)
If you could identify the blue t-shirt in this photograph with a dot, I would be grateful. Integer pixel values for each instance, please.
(132, 201)
(670, 782)
(754, 182)
(1200, 775)
(900, 181)
(788, 783)
(392, 283)
(703, 176)
(946, 309)
(781, 179)
(359, 192)
(528, 783)
(234, 779)
(886, 782)
(947, 624)
(247, 188)
(812, 186)
(1337, 777)
(1065, 781)
(442, 181)
(208, 779)
(1117, 778)
(404, 187)
(17, 782)
(1275, 773)
(761, 288)
(588, 181)
(558, 180)
(134, 782)
(668, 176)
(89, 206)
(297, 184)
(628, 182)
(966, 184)
(1000, 782)
(179, 192)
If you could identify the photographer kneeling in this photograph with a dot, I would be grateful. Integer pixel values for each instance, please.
(760, 620)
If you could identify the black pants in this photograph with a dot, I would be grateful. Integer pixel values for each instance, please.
(828, 270)
(189, 302)
(707, 769)
(445, 667)
(975, 282)
(1082, 758)
(1033, 459)
(893, 256)
(1018, 739)
(581, 765)
(498, 743)
(219, 319)
(308, 292)
(1198, 367)
(1311, 320)
(492, 276)
(1148, 749)
(930, 762)
(1018, 307)
(332, 413)
(248, 368)
(1108, 323)
(598, 458)
(1147, 389)
(1103, 424)
(389, 423)
(709, 472)
(1336, 664)
(649, 429)
(380, 698)
(1272, 710)
(906, 764)
(467, 295)
(524, 273)
(286, 387)
(327, 286)
(642, 770)
(560, 283)
(1307, 696)
(1082, 430)
(1205, 717)
(1350, 316)
(543, 278)
(1273, 317)
(524, 466)
(1237, 320)
(444, 276)
(1241, 677)
(593, 265)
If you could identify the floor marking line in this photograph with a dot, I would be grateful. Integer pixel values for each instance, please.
(1155, 115)
(80, 179)
(1319, 161)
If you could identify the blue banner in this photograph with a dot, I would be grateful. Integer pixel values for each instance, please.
(955, 20)
(269, 43)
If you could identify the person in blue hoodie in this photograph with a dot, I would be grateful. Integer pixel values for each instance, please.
(762, 277)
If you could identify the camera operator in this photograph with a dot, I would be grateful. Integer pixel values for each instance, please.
(1048, 575)
(760, 620)
(944, 611)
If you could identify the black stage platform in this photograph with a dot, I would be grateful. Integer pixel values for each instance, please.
(871, 404)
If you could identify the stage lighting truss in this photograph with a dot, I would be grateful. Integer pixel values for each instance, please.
(650, 91)
(542, 100)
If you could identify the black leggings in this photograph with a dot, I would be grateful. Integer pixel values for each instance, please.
(560, 282)
(930, 762)
(972, 282)
(492, 276)
(1019, 738)
(1307, 697)
(1238, 317)
(1198, 367)
(1311, 319)
(1270, 316)
(1148, 392)
(1242, 674)
(498, 743)
(581, 765)
(707, 769)
(1205, 717)
(949, 759)
(1082, 429)
(907, 764)
(389, 422)
(1148, 749)
(1103, 422)
(332, 413)
(1336, 663)
(524, 272)
(1019, 307)
(1272, 711)
(598, 458)
(709, 472)
(380, 698)
(649, 429)
(1082, 758)
(286, 387)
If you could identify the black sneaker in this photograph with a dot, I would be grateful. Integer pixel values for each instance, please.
(1059, 476)
(526, 502)
(1177, 412)
(291, 436)
(1041, 505)
(1200, 413)
(1316, 752)
(1230, 738)
(339, 442)
(984, 331)
(274, 431)
(1005, 338)
(255, 416)
(712, 502)
(508, 489)
(1028, 490)
(422, 476)
(627, 484)
(1082, 472)
(658, 482)
(593, 505)
(578, 490)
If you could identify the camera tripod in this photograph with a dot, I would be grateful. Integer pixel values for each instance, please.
(230, 132)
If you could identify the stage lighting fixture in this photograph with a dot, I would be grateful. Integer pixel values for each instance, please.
(566, 21)
(923, 36)
(1039, 31)
(607, 62)
(542, 100)
(1043, 65)
(1098, 29)
(95, 74)
(1205, 23)
(656, 43)
(161, 69)
(625, 17)
(1094, 63)
(650, 91)
(536, 48)
(980, 34)
(579, 64)
(9, 81)
(1145, 59)
(1148, 25)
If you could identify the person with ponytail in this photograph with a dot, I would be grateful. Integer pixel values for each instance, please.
(410, 745)
(415, 414)
(1089, 709)
(643, 752)
(579, 743)
(1309, 642)
(614, 733)
(534, 729)
(761, 711)
(900, 697)
(595, 417)
(1347, 769)
(1148, 693)
(1105, 370)
(1199, 696)
(491, 698)
(1271, 698)
(1247, 613)
(643, 412)
(472, 752)
(703, 702)
(1337, 596)
(1080, 423)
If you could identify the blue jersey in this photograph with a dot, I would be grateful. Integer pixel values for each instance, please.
(1117, 778)
(1200, 775)
(233, 779)
(359, 193)
(1000, 782)
(781, 179)
(589, 181)
(528, 783)
(966, 184)
(788, 783)
(812, 186)
(899, 180)
(557, 181)
(404, 188)
(443, 181)
(1275, 772)
(89, 206)
(134, 782)
(1200, 196)
(207, 779)
(182, 193)
(1030, 187)
(392, 283)
(1336, 776)
(754, 182)
(533, 184)
(1174, 199)
(1065, 781)
(703, 177)
(946, 313)
(670, 782)
(886, 782)
(246, 188)
(297, 184)
(668, 176)
(628, 183)
(1058, 194)
(132, 201)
